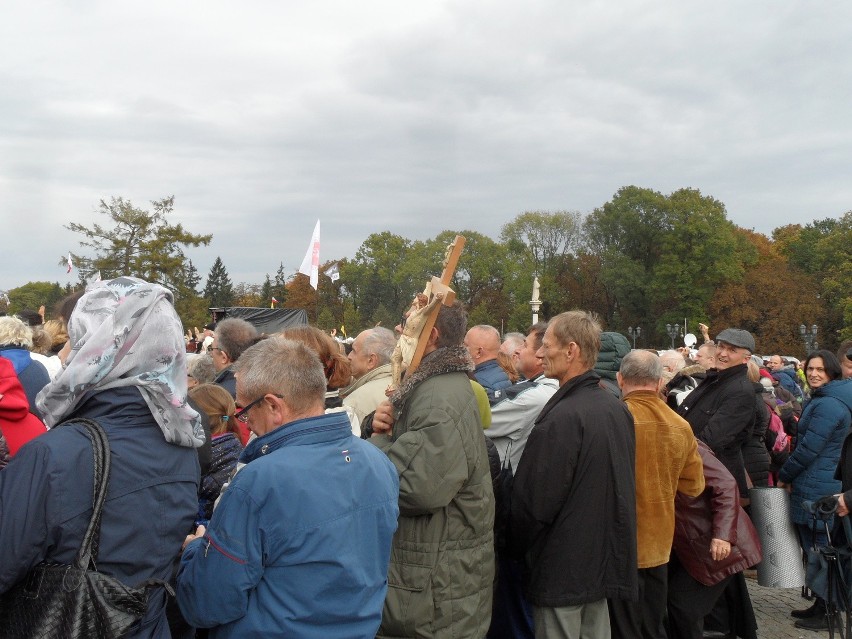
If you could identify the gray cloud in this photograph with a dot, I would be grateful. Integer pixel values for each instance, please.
(262, 118)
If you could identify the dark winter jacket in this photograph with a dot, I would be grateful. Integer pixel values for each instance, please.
(226, 380)
(714, 514)
(755, 455)
(150, 507)
(225, 451)
(822, 429)
(721, 413)
(492, 377)
(573, 508)
(614, 346)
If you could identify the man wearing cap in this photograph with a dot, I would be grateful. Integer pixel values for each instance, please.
(721, 410)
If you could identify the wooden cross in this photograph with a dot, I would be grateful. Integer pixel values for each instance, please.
(442, 284)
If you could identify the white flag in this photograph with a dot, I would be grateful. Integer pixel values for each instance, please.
(332, 272)
(310, 265)
(70, 265)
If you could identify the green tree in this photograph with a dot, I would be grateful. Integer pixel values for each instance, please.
(219, 290)
(33, 295)
(279, 285)
(266, 292)
(137, 242)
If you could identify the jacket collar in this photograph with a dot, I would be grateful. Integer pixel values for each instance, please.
(450, 359)
(322, 428)
(715, 374)
(380, 372)
(589, 378)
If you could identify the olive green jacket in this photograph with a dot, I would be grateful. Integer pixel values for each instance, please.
(442, 560)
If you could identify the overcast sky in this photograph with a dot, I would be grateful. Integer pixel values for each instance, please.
(262, 117)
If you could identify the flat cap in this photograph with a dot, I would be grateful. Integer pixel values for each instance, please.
(737, 337)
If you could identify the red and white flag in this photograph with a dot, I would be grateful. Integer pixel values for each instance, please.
(310, 265)
(273, 302)
(70, 265)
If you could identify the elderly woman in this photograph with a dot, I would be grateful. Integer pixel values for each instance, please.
(16, 338)
(809, 472)
(125, 370)
(335, 365)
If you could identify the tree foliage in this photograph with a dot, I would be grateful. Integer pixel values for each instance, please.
(137, 242)
(219, 290)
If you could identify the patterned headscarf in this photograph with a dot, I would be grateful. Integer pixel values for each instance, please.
(125, 332)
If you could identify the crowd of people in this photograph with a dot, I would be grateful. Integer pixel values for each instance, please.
(552, 483)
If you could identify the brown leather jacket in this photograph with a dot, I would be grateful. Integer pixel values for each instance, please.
(714, 514)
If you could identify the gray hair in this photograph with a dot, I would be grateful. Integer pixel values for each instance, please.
(672, 360)
(15, 332)
(514, 340)
(282, 367)
(451, 322)
(202, 368)
(235, 335)
(641, 368)
(381, 342)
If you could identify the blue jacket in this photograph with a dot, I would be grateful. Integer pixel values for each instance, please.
(788, 380)
(492, 377)
(822, 428)
(46, 500)
(300, 542)
(32, 374)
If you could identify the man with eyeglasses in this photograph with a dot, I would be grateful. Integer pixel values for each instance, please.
(299, 544)
(721, 410)
(231, 338)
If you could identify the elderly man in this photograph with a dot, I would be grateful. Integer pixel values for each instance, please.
(705, 356)
(483, 344)
(232, 337)
(573, 511)
(512, 343)
(299, 543)
(721, 410)
(442, 565)
(512, 418)
(667, 463)
(370, 360)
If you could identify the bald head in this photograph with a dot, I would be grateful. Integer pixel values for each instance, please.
(483, 343)
(640, 370)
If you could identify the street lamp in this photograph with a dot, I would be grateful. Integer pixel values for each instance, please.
(809, 338)
(634, 333)
(674, 331)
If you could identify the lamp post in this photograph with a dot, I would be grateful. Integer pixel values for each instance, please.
(809, 337)
(634, 333)
(674, 331)
(535, 302)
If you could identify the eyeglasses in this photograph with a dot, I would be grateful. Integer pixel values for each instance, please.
(242, 414)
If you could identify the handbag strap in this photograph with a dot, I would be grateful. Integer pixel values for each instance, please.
(87, 555)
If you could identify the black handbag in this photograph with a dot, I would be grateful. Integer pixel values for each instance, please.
(76, 601)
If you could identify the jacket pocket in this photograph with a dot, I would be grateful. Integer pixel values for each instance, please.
(409, 606)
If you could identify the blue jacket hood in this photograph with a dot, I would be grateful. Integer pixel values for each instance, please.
(20, 358)
(840, 389)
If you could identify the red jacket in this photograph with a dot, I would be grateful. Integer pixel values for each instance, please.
(714, 514)
(17, 424)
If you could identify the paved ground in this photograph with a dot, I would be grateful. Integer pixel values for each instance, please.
(772, 608)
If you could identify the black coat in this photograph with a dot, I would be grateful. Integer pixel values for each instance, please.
(573, 508)
(721, 412)
(755, 455)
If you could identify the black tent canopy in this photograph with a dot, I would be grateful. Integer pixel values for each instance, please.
(265, 320)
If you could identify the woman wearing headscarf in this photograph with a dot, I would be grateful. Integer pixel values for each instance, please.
(126, 370)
